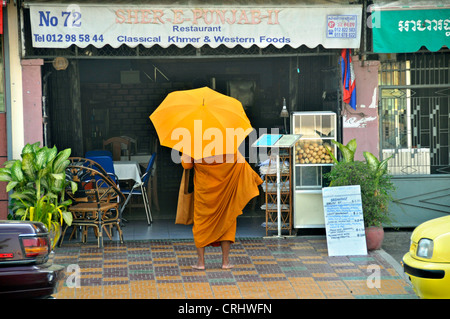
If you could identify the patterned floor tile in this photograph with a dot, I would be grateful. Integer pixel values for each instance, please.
(265, 268)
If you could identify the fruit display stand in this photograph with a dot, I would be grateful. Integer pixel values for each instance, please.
(311, 160)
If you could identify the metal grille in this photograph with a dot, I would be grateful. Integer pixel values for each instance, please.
(415, 113)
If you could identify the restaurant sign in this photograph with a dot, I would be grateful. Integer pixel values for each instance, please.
(60, 26)
(408, 29)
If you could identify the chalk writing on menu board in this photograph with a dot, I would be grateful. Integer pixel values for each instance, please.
(344, 222)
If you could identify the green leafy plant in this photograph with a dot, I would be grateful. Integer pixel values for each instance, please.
(347, 151)
(378, 167)
(38, 184)
(373, 178)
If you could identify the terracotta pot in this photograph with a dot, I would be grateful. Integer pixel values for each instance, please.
(374, 237)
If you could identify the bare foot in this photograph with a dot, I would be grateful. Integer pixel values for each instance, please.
(227, 266)
(196, 267)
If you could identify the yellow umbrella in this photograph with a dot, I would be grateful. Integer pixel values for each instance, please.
(201, 123)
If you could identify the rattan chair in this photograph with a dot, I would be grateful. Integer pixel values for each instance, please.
(87, 162)
(96, 203)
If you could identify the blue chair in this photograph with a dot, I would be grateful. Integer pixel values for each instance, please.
(106, 162)
(141, 189)
(98, 153)
(86, 162)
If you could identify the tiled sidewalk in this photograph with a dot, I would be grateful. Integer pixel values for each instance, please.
(265, 268)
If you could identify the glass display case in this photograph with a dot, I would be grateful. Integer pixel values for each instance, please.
(312, 159)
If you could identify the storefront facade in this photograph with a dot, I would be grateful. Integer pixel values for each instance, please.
(118, 71)
(412, 42)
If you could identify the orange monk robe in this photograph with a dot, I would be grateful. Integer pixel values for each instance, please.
(222, 188)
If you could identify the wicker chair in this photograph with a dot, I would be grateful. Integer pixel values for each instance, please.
(86, 162)
(103, 164)
(96, 203)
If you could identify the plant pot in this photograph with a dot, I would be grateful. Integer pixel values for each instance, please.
(374, 237)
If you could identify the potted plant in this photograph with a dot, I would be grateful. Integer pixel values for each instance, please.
(38, 184)
(376, 189)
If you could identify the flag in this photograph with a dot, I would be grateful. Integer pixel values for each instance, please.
(348, 78)
(1, 17)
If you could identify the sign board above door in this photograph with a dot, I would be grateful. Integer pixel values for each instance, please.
(63, 25)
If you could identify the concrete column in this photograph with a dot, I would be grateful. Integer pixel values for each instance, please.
(32, 101)
(17, 129)
(362, 123)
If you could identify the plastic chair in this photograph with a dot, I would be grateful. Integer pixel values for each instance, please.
(107, 164)
(116, 144)
(98, 153)
(141, 189)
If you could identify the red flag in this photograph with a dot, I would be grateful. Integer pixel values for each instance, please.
(348, 78)
(1, 17)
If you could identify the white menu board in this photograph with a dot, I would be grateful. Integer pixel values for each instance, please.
(344, 221)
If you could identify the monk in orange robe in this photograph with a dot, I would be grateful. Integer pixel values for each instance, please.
(223, 185)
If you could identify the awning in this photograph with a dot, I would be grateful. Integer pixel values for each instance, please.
(400, 27)
(83, 24)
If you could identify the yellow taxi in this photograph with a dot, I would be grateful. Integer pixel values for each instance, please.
(428, 261)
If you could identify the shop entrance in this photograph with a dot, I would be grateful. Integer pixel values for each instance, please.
(94, 99)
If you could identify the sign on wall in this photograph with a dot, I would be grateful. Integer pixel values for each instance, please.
(60, 26)
(408, 29)
(344, 221)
